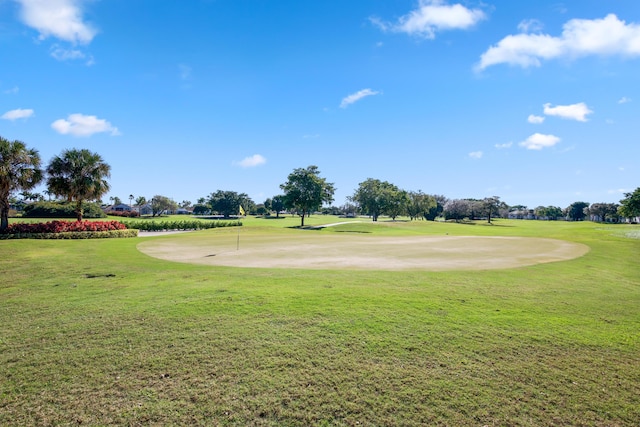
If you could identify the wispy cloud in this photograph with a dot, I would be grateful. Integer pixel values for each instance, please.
(185, 71)
(13, 90)
(61, 19)
(624, 100)
(82, 125)
(476, 154)
(18, 113)
(252, 161)
(503, 146)
(538, 141)
(355, 97)
(580, 37)
(577, 111)
(63, 54)
(432, 16)
(535, 119)
(530, 26)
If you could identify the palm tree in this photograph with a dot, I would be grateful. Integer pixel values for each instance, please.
(78, 175)
(19, 170)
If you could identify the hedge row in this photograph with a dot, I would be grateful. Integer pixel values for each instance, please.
(146, 225)
(63, 227)
(73, 235)
(126, 214)
(61, 210)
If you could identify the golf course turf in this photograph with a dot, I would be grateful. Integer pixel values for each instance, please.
(97, 332)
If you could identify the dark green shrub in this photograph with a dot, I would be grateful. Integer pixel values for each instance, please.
(61, 210)
(149, 225)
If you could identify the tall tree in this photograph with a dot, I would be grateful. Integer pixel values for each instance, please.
(228, 203)
(160, 204)
(603, 211)
(457, 209)
(305, 191)
(78, 175)
(19, 170)
(491, 206)
(576, 211)
(630, 205)
(377, 198)
(277, 204)
(141, 200)
(420, 205)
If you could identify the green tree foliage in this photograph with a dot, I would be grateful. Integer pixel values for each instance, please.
(277, 204)
(78, 175)
(228, 203)
(420, 205)
(603, 211)
(548, 212)
(630, 205)
(161, 204)
(457, 209)
(61, 209)
(491, 206)
(19, 170)
(377, 198)
(576, 211)
(141, 200)
(305, 191)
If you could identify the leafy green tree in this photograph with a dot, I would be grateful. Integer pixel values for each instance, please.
(377, 198)
(491, 206)
(630, 205)
(115, 200)
(19, 170)
(78, 175)
(457, 209)
(576, 211)
(228, 203)
(277, 204)
(141, 200)
(160, 204)
(420, 205)
(604, 211)
(305, 191)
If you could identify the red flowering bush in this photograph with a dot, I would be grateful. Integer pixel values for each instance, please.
(63, 227)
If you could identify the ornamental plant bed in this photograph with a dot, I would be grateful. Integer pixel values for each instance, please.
(67, 230)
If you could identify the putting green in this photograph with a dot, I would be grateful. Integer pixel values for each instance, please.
(312, 250)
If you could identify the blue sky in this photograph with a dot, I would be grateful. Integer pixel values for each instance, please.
(535, 102)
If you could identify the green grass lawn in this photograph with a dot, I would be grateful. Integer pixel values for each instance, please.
(97, 333)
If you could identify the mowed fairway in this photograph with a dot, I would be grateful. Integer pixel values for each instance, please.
(315, 250)
(99, 333)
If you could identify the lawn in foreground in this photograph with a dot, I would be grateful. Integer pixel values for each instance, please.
(95, 332)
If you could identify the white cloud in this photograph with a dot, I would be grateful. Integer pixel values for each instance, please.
(13, 90)
(62, 54)
(61, 19)
(580, 37)
(505, 145)
(185, 71)
(475, 154)
(252, 161)
(624, 100)
(18, 113)
(530, 26)
(577, 111)
(432, 16)
(535, 119)
(81, 125)
(538, 141)
(354, 97)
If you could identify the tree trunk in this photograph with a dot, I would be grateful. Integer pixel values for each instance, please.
(4, 222)
(302, 219)
(79, 210)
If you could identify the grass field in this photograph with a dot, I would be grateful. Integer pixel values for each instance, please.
(98, 333)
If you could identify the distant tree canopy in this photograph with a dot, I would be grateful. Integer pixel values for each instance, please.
(420, 205)
(491, 206)
(630, 205)
(603, 211)
(457, 209)
(375, 198)
(548, 212)
(227, 203)
(576, 211)
(305, 191)
(160, 204)
(19, 170)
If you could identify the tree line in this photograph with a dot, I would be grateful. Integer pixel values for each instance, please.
(80, 175)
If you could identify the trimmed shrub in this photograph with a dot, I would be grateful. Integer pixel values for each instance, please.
(73, 235)
(124, 214)
(61, 210)
(63, 227)
(146, 225)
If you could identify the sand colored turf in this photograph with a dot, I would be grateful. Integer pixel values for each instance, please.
(315, 250)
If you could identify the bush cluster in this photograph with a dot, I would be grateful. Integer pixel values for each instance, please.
(61, 210)
(63, 227)
(73, 235)
(124, 214)
(146, 225)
